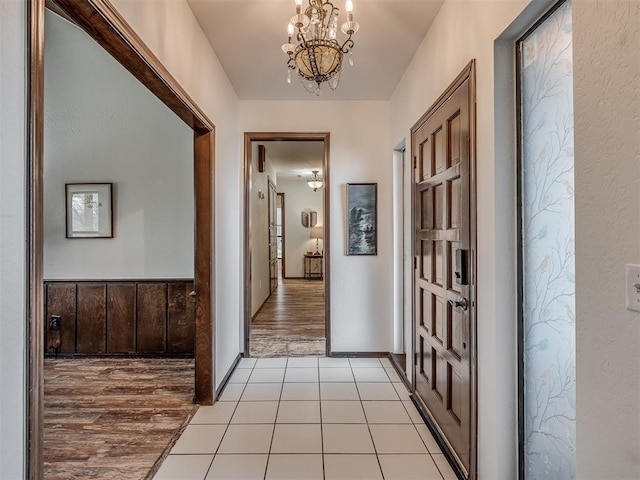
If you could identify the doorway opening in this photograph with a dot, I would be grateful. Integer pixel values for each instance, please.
(402, 273)
(280, 232)
(286, 247)
(105, 25)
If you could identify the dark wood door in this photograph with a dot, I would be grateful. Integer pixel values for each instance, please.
(443, 273)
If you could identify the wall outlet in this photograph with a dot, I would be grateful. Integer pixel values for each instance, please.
(633, 287)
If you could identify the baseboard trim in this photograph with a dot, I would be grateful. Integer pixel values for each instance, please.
(444, 446)
(360, 354)
(400, 371)
(226, 378)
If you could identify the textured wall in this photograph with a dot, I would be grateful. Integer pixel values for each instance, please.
(12, 238)
(172, 32)
(607, 185)
(103, 125)
(259, 211)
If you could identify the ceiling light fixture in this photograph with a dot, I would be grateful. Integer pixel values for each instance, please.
(315, 182)
(317, 56)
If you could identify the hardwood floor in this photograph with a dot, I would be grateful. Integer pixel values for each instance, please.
(108, 418)
(291, 322)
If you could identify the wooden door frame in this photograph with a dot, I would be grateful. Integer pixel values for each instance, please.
(100, 20)
(282, 221)
(285, 137)
(469, 72)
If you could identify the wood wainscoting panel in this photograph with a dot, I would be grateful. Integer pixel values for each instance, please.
(61, 302)
(91, 318)
(121, 318)
(181, 329)
(152, 317)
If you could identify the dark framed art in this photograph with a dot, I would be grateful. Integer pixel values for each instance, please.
(362, 218)
(89, 210)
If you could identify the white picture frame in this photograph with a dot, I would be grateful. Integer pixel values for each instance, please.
(89, 210)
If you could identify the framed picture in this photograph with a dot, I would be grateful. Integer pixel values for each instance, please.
(362, 218)
(89, 210)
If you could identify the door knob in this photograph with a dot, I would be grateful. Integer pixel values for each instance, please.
(192, 293)
(462, 303)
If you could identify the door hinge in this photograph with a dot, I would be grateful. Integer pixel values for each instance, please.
(415, 162)
(415, 263)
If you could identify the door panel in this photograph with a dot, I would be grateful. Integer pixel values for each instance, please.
(442, 227)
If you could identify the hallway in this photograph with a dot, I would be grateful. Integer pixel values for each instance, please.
(308, 418)
(291, 321)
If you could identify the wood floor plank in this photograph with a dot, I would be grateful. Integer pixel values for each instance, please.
(107, 418)
(291, 321)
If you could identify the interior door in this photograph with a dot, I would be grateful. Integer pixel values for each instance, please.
(443, 275)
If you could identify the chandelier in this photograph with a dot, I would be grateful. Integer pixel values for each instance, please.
(315, 181)
(316, 54)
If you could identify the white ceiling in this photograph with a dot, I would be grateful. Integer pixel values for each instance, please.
(294, 158)
(247, 36)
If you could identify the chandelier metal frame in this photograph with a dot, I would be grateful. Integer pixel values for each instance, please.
(318, 56)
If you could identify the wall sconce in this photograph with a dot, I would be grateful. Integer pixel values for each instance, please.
(309, 218)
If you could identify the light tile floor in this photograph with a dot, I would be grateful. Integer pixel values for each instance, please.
(308, 418)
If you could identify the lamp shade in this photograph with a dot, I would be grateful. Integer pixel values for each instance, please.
(317, 232)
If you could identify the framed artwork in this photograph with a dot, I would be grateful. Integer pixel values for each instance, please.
(89, 210)
(362, 218)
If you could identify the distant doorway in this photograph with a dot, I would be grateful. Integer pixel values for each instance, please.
(291, 317)
(280, 231)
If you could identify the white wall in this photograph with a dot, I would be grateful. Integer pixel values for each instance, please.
(171, 31)
(298, 197)
(607, 185)
(259, 211)
(361, 302)
(464, 30)
(103, 125)
(13, 280)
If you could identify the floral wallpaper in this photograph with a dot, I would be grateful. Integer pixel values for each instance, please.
(548, 249)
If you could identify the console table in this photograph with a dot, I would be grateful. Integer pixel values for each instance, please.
(313, 266)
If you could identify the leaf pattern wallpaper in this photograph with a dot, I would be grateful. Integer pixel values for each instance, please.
(546, 77)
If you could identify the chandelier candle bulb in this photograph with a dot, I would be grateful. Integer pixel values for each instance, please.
(349, 7)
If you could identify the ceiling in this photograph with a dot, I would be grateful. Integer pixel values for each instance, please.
(291, 159)
(247, 36)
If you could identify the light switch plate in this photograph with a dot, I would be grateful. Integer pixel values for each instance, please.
(633, 293)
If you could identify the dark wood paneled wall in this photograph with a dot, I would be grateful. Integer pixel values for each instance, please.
(120, 317)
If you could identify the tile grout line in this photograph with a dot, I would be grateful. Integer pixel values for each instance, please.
(215, 454)
(420, 436)
(324, 472)
(364, 412)
(225, 430)
(275, 420)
